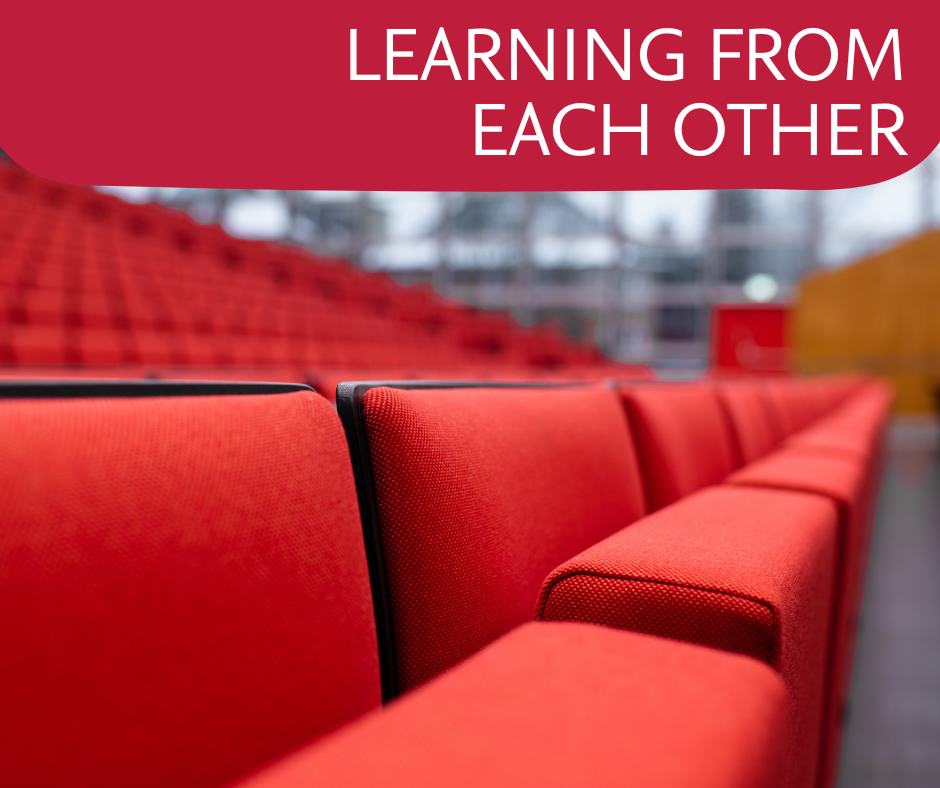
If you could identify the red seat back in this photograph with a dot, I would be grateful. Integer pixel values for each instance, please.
(789, 404)
(747, 414)
(682, 439)
(481, 492)
(183, 587)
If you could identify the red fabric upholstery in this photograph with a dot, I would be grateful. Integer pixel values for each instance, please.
(749, 571)
(831, 437)
(796, 403)
(790, 468)
(747, 413)
(682, 438)
(846, 481)
(481, 493)
(868, 410)
(183, 588)
(854, 433)
(560, 705)
(854, 429)
(791, 404)
(155, 287)
(818, 397)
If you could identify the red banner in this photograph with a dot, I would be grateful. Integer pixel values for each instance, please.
(513, 95)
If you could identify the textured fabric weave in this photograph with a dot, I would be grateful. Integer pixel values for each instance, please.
(743, 570)
(682, 438)
(481, 493)
(845, 481)
(711, 618)
(561, 705)
(183, 588)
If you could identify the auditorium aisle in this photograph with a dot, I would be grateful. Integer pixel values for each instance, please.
(893, 731)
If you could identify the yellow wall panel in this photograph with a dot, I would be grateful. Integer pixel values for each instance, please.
(881, 315)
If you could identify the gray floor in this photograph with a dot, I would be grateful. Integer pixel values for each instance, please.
(893, 730)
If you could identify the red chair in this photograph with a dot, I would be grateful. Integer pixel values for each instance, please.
(747, 414)
(184, 590)
(682, 439)
(557, 705)
(478, 494)
(845, 481)
(31, 345)
(747, 571)
(99, 347)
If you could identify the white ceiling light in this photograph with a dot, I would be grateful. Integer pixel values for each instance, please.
(760, 288)
(257, 216)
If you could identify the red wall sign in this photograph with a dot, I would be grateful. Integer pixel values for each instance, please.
(750, 340)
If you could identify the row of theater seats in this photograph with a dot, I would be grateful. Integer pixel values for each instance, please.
(641, 584)
(90, 281)
(324, 380)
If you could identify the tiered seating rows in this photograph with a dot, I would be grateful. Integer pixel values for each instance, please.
(195, 586)
(89, 283)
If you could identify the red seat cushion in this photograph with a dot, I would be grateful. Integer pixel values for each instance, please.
(481, 492)
(749, 571)
(559, 705)
(183, 588)
(682, 438)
